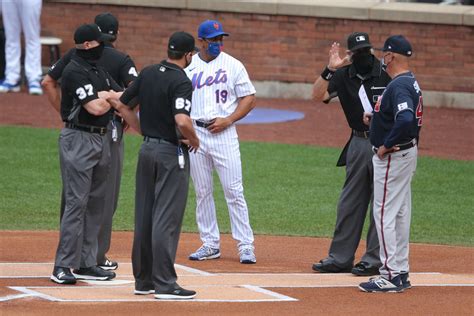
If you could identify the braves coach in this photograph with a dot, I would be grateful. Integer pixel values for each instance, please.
(164, 93)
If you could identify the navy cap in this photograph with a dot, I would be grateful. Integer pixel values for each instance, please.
(181, 42)
(211, 29)
(107, 23)
(398, 44)
(358, 40)
(90, 32)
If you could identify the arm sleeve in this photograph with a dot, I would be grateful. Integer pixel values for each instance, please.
(404, 114)
(131, 92)
(182, 98)
(243, 85)
(56, 70)
(79, 86)
(128, 71)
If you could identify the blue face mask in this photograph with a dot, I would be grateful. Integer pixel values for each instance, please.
(214, 48)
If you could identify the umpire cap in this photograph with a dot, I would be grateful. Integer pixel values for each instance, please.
(90, 32)
(358, 40)
(181, 42)
(398, 44)
(107, 23)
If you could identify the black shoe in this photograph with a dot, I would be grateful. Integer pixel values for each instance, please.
(406, 284)
(365, 269)
(62, 276)
(176, 294)
(108, 265)
(328, 267)
(144, 292)
(93, 273)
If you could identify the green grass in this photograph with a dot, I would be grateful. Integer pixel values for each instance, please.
(290, 189)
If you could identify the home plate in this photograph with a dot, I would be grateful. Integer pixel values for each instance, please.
(107, 283)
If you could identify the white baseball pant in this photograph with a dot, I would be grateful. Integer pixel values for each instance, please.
(21, 15)
(220, 152)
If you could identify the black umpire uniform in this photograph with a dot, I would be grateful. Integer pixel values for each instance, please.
(84, 153)
(162, 177)
(361, 82)
(122, 69)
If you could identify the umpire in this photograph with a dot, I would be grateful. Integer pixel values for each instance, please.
(84, 154)
(164, 93)
(122, 69)
(358, 80)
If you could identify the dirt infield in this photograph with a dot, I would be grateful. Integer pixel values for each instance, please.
(282, 281)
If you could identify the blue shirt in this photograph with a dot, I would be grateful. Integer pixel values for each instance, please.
(398, 113)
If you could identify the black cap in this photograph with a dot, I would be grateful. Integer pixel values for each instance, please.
(398, 44)
(181, 42)
(107, 23)
(358, 40)
(90, 32)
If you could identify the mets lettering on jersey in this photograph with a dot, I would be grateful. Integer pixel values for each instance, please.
(225, 80)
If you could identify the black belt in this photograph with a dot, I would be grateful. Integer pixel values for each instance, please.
(87, 128)
(401, 147)
(157, 140)
(363, 134)
(203, 124)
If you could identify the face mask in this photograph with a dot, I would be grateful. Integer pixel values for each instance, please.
(91, 55)
(363, 62)
(383, 63)
(214, 48)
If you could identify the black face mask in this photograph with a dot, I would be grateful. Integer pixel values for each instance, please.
(363, 62)
(91, 55)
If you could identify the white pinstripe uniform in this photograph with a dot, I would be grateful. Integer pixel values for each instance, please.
(217, 86)
(18, 16)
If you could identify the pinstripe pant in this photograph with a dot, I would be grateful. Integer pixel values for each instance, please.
(220, 152)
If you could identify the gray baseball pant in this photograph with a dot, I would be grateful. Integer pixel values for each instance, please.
(160, 201)
(352, 208)
(85, 165)
(392, 208)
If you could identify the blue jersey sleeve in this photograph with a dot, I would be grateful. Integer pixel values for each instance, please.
(404, 114)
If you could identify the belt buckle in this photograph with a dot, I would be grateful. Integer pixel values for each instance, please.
(366, 134)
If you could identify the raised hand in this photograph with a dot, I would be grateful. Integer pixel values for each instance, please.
(335, 60)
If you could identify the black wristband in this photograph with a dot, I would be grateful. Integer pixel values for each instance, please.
(327, 74)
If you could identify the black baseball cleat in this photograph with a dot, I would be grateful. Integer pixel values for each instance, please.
(325, 266)
(93, 273)
(176, 294)
(108, 265)
(62, 276)
(364, 269)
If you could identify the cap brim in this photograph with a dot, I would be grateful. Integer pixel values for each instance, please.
(216, 34)
(105, 38)
(360, 46)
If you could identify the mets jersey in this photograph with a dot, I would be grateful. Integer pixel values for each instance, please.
(228, 80)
